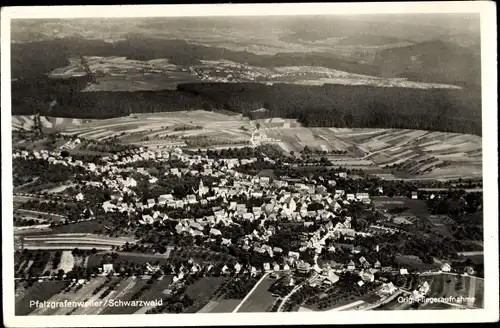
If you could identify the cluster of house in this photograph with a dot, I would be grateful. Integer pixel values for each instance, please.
(282, 200)
(226, 73)
(71, 144)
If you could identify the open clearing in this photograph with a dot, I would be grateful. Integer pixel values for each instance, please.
(67, 261)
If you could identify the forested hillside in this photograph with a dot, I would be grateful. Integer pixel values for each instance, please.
(330, 105)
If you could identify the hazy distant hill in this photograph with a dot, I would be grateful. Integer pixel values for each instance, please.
(437, 61)
(35, 58)
(430, 61)
(371, 40)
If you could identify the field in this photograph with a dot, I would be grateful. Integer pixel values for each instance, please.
(98, 289)
(159, 129)
(388, 153)
(57, 218)
(416, 153)
(261, 299)
(202, 291)
(130, 290)
(91, 226)
(445, 285)
(414, 207)
(33, 263)
(72, 240)
(81, 294)
(38, 292)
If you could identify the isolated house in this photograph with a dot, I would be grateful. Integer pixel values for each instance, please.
(469, 271)
(446, 267)
(107, 268)
(79, 197)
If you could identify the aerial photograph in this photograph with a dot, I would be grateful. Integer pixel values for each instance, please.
(247, 164)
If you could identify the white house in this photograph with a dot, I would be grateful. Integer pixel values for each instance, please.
(446, 267)
(388, 288)
(294, 255)
(237, 267)
(215, 232)
(107, 268)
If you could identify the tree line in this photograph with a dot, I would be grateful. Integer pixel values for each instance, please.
(329, 105)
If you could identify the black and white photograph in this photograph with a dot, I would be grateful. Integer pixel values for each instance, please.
(249, 159)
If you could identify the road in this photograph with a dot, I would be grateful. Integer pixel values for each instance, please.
(385, 149)
(285, 299)
(21, 211)
(348, 306)
(252, 142)
(452, 187)
(382, 302)
(251, 291)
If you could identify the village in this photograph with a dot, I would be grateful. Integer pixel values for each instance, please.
(298, 234)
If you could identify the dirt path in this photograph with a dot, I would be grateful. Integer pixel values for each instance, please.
(67, 261)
